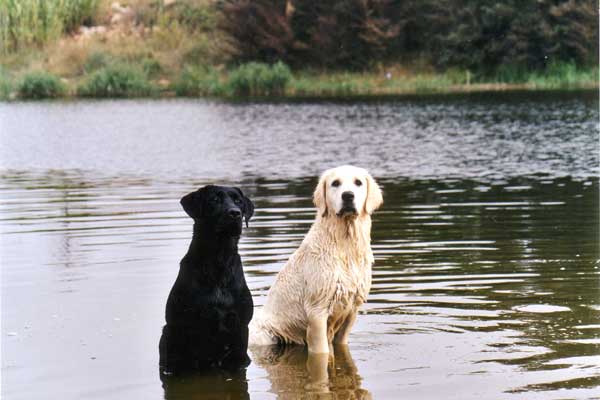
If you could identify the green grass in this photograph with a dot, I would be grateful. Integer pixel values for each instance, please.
(329, 85)
(252, 79)
(371, 83)
(199, 81)
(6, 84)
(563, 76)
(40, 85)
(35, 22)
(258, 79)
(120, 80)
(560, 75)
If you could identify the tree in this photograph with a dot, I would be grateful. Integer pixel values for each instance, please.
(257, 30)
(340, 34)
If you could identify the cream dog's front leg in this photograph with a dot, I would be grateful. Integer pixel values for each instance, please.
(316, 334)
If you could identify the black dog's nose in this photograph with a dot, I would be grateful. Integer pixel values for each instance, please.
(235, 213)
(347, 196)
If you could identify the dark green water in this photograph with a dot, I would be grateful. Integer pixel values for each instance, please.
(486, 282)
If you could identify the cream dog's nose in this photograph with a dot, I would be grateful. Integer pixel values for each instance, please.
(347, 196)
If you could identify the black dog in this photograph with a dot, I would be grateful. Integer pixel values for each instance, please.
(210, 306)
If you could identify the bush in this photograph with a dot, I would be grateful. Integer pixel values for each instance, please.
(117, 81)
(40, 85)
(151, 67)
(97, 60)
(198, 81)
(258, 79)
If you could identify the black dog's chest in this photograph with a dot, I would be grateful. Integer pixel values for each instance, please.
(223, 298)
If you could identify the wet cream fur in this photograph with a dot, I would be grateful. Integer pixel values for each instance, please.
(316, 296)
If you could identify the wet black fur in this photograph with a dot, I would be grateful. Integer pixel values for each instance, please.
(210, 306)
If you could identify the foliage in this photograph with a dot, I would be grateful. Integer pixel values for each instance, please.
(563, 76)
(120, 80)
(481, 35)
(348, 34)
(342, 33)
(6, 85)
(35, 22)
(40, 85)
(198, 81)
(258, 79)
(257, 30)
(151, 67)
(526, 35)
(337, 85)
(97, 60)
(193, 15)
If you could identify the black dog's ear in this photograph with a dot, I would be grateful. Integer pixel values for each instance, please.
(247, 208)
(192, 204)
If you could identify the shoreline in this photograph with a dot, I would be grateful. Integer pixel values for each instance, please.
(291, 95)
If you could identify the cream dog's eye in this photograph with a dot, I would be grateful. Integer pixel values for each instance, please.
(358, 182)
(335, 183)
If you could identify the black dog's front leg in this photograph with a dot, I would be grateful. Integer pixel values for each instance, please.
(236, 346)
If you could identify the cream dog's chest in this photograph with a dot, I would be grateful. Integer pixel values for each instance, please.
(351, 290)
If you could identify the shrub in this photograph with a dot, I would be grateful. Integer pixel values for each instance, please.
(151, 67)
(117, 81)
(97, 60)
(258, 79)
(40, 85)
(198, 81)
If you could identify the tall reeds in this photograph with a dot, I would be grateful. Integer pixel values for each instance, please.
(35, 22)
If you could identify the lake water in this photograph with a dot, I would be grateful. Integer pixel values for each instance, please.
(486, 283)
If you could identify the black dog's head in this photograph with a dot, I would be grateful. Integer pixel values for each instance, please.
(220, 208)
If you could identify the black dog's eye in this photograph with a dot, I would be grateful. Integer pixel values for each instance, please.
(215, 199)
(237, 201)
(335, 183)
(358, 182)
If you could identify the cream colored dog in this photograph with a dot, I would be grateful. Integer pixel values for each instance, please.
(316, 295)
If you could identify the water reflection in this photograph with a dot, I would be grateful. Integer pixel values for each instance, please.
(294, 373)
(487, 136)
(206, 386)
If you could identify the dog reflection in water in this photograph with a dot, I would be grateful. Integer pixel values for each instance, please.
(295, 373)
(206, 385)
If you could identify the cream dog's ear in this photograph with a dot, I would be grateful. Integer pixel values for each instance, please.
(320, 195)
(374, 196)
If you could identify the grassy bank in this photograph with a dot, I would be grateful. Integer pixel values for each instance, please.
(261, 80)
(149, 48)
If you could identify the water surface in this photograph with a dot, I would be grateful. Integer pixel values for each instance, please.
(486, 281)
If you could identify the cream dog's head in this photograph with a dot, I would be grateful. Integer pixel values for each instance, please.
(347, 191)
